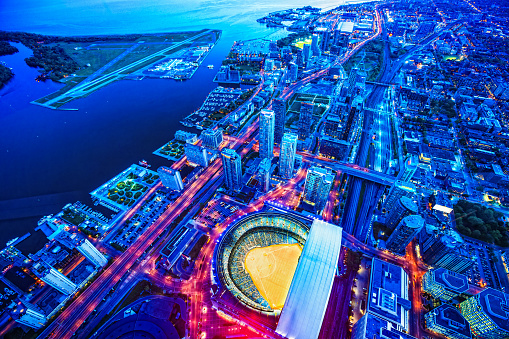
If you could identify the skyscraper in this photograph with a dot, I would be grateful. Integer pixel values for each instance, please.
(356, 81)
(406, 230)
(294, 72)
(267, 120)
(305, 120)
(409, 168)
(306, 51)
(264, 173)
(403, 208)
(317, 187)
(348, 130)
(170, 178)
(53, 278)
(279, 106)
(314, 45)
(232, 166)
(487, 312)
(398, 190)
(287, 155)
(212, 138)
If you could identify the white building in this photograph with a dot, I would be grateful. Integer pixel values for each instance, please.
(53, 278)
(170, 178)
(28, 315)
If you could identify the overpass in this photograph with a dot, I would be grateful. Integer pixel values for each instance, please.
(351, 169)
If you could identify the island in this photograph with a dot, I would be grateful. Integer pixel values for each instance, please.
(87, 63)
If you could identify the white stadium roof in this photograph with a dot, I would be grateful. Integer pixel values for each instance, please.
(309, 292)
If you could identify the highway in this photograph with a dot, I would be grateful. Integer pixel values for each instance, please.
(75, 314)
(70, 320)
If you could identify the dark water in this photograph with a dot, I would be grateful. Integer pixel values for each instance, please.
(67, 154)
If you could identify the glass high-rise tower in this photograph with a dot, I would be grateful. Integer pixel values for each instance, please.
(232, 166)
(266, 137)
(287, 155)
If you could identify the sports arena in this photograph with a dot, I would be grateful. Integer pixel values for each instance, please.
(256, 259)
(269, 264)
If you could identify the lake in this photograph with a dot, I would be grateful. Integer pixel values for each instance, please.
(49, 157)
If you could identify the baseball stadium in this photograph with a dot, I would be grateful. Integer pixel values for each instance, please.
(268, 263)
(256, 258)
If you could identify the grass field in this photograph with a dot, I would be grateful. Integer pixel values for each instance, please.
(271, 269)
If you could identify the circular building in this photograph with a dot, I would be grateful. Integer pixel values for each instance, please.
(255, 259)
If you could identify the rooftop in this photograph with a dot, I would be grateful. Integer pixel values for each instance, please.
(388, 292)
(451, 280)
(450, 317)
(312, 283)
(496, 305)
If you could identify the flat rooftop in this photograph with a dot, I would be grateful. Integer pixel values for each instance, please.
(496, 306)
(312, 283)
(371, 326)
(388, 293)
(450, 317)
(451, 280)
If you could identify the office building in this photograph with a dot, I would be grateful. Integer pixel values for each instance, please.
(287, 155)
(264, 173)
(170, 178)
(212, 138)
(232, 166)
(388, 294)
(409, 168)
(356, 81)
(267, 121)
(293, 72)
(371, 326)
(444, 284)
(404, 233)
(28, 314)
(488, 314)
(403, 208)
(305, 120)
(331, 127)
(398, 190)
(186, 136)
(334, 149)
(196, 154)
(269, 65)
(315, 49)
(279, 106)
(317, 187)
(448, 321)
(53, 278)
(446, 249)
(85, 247)
(306, 52)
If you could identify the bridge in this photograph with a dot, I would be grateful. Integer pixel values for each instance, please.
(351, 169)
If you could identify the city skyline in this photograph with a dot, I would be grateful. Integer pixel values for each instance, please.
(337, 171)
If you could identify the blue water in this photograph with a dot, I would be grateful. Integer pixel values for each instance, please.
(46, 151)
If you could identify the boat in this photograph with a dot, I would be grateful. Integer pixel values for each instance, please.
(210, 66)
(144, 163)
